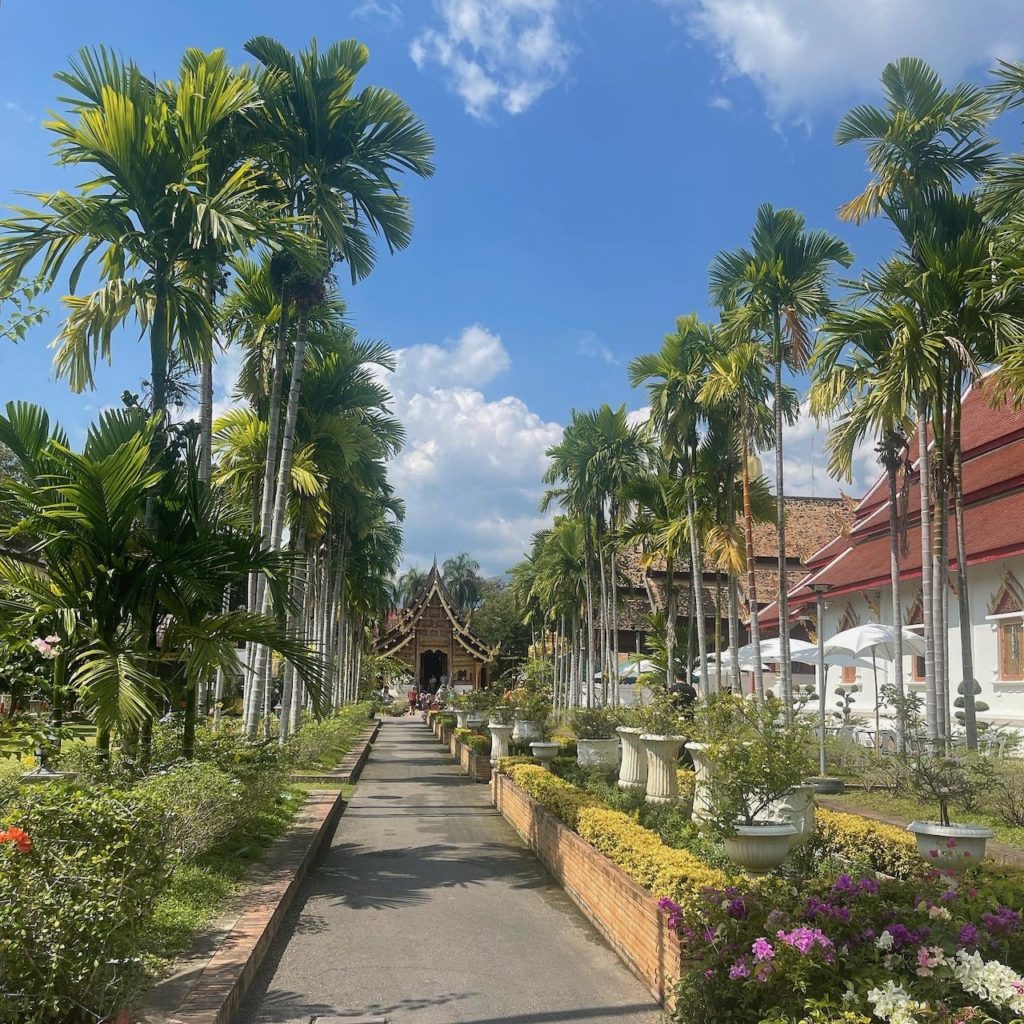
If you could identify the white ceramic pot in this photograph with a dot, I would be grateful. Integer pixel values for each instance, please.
(526, 731)
(499, 742)
(633, 769)
(475, 719)
(662, 761)
(760, 848)
(603, 754)
(702, 767)
(462, 719)
(545, 752)
(796, 808)
(952, 847)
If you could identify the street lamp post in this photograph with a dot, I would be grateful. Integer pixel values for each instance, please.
(820, 590)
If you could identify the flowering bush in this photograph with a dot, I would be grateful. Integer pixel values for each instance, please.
(937, 948)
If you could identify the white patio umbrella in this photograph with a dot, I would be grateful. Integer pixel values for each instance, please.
(875, 639)
(771, 650)
(637, 667)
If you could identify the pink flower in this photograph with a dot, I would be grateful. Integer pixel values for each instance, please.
(762, 949)
(950, 843)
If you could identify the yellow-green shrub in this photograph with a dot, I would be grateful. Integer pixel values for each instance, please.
(663, 870)
(888, 849)
(687, 784)
(558, 797)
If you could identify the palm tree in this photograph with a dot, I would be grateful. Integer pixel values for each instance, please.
(408, 583)
(776, 290)
(335, 154)
(461, 576)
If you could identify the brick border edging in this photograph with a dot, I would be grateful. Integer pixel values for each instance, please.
(352, 763)
(476, 766)
(624, 913)
(222, 984)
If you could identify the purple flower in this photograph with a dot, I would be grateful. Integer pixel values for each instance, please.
(805, 939)
(968, 935)
(844, 883)
(740, 969)
(762, 949)
(869, 885)
(949, 895)
(901, 935)
(737, 909)
(709, 973)
(1003, 920)
(673, 910)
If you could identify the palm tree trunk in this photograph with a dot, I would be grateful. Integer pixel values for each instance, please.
(252, 683)
(670, 621)
(894, 582)
(206, 418)
(748, 529)
(780, 502)
(697, 562)
(718, 631)
(928, 611)
(615, 628)
(605, 635)
(734, 596)
(588, 554)
(296, 616)
(964, 597)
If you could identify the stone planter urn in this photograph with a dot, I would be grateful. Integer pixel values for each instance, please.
(702, 767)
(953, 847)
(499, 742)
(760, 848)
(526, 731)
(662, 761)
(462, 719)
(796, 808)
(475, 719)
(603, 754)
(633, 769)
(545, 753)
(827, 784)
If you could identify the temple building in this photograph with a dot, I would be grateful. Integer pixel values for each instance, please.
(433, 638)
(854, 565)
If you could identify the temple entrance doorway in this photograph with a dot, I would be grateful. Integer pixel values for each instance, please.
(433, 665)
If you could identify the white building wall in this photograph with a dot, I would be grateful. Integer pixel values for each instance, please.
(1004, 697)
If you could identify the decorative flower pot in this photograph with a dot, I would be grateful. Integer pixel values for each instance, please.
(760, 848)
(633, 769)
(499, 742)
(545, 753)
(462, 719)
(662, 761)
(475, 719)
(526, 731)
(702, 768)
(950, 846)
(826, 784)
(603, 754)
(796, 808)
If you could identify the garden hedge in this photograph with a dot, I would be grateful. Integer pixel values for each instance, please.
(888, 849)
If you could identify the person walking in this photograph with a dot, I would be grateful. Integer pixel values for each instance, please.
(414, 699)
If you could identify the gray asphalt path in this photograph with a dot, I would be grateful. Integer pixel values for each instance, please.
(427, 909)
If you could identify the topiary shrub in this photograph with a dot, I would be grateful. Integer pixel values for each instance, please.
(78, 885)
(201, 804)
(849, 837)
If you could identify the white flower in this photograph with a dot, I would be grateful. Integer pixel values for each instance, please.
(884, 942)
(990, 980)
(939, 912)
(893, 1004)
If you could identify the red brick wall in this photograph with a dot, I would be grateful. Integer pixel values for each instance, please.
(623, 912)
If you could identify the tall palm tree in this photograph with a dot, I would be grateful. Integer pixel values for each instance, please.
(335, 154)
(776, 290)
(408, 583)
(461, 575)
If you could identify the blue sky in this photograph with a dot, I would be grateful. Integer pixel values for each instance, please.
(593, 156)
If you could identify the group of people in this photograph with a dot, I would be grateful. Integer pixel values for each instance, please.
(434, 694)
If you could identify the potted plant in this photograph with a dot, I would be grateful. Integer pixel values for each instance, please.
(531, 712)
(942, 779)
(662, 739)
(545, 749)
(633, 766)
(597, 745)
(479, 702)
(758, 761)
(461, 704)
(500, 726)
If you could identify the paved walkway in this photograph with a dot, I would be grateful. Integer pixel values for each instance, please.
(428, 909)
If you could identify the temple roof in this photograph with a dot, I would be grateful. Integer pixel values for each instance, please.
(993, 475)
(403, 628)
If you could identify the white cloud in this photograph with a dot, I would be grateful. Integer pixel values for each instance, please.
(720, 103)
(508, 52)
(471, 470)
(590, 346)
(806, 461)
(15, 108)
(384, 10)
(809, 56)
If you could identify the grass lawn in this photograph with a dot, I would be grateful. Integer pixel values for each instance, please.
(914, 810)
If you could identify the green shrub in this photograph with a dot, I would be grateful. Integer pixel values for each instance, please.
(448, 721)
(11, 771)
(76, 905)
(1007, 797)
(475, 741)
(322, 744)
(851, 838)
(258, 767)
(595, 723)
(201, 803)
(552, 793)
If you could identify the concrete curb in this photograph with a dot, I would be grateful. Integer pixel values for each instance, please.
(220, 985)
(351, 766)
